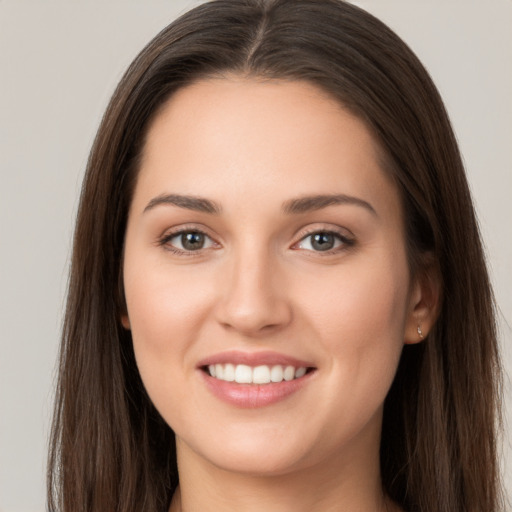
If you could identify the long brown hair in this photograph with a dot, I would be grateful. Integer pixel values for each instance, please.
(110, 449)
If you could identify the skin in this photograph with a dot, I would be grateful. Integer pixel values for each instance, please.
(258, 284)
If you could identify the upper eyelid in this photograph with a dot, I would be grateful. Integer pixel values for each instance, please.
(186, 228)
(337, 230)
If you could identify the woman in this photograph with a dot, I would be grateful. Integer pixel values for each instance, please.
(278, 293)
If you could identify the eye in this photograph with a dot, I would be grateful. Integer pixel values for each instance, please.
(323, 241)
(187, 241)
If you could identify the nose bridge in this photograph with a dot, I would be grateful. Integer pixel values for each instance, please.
(254, 299)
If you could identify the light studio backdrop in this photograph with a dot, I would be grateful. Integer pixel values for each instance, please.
(59, 63)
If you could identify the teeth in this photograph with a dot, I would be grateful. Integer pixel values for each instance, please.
(276, 374)
(261, 375)
(289, 373)
(243, 374)
(229, 373)
(300, 372)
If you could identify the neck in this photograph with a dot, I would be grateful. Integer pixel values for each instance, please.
(350, 482)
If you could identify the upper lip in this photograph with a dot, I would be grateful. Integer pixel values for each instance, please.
(268, 358)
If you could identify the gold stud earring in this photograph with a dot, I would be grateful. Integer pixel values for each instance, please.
(420, 333)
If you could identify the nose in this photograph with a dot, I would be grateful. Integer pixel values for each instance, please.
(253, 298)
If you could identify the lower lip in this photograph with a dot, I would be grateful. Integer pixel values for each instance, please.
(250, 396)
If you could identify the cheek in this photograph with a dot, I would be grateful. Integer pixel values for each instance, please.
(359, 299)
(373, 307)
(359, 319)
(361, 327)
(166, 310)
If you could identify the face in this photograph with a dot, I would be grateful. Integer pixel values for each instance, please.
(266, 245)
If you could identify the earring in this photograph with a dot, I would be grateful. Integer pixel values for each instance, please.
(420, 333)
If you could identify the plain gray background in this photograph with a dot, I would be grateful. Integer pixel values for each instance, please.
(59, 63)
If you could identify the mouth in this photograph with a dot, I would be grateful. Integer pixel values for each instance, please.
(250, 380)
(261, 374)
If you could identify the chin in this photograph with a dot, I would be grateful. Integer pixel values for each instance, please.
(257, 463)
(249, 454)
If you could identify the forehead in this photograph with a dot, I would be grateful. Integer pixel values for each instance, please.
(237, 135)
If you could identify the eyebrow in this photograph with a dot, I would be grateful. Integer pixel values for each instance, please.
(317, 202)
(199, 204)
(293, 206)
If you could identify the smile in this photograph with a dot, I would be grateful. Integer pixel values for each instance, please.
(258, 379)
(263, 374)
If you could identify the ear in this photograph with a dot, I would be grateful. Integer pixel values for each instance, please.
(125, 321)
(424, 304)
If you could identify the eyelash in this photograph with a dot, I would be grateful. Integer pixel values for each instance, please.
(164, 241)
(345, 242)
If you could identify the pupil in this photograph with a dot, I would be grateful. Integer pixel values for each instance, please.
(192, 241)
(323, 241)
